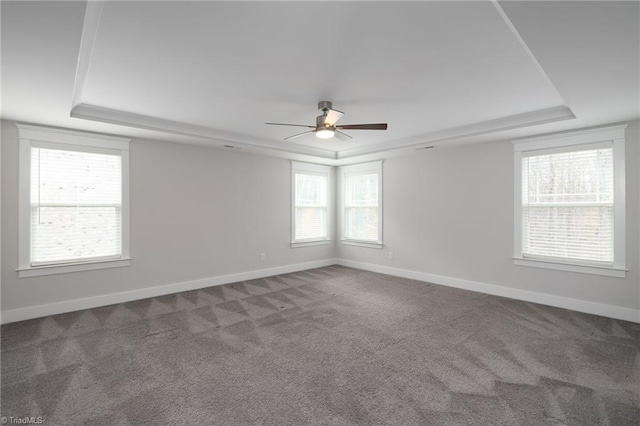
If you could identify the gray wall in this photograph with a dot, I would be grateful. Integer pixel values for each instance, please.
(196, 212)
(200, 212)
(449, 212)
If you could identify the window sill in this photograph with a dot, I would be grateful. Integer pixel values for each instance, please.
(583, 269)
(368, 244)
(75, 267)
(295, 244)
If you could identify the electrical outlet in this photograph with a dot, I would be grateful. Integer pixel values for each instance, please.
(390, 255)
(262, 257)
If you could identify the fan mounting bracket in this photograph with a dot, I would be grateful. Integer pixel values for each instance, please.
(325, 105)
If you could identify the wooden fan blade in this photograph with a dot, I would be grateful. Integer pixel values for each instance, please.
(378, 126)
(287, 124)
(343, 136)
(332, 117)
(298, 135)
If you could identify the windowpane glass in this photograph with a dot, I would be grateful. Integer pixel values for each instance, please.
(74, 233)
(310, 206)
(76, 200)
(73, 177)
(362, 190)
(567, 205)
(362, 223)
(311, 222)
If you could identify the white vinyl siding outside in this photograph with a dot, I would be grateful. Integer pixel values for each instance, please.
(570, 202)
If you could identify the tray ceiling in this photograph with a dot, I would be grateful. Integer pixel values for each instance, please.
(215, 72)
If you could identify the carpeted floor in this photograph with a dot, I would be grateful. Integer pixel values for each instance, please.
(327, 346)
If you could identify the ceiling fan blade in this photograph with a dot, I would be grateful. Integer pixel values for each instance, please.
(332, 117)
(378, 126)
(343, 136)
(298, 135)
(287, 124)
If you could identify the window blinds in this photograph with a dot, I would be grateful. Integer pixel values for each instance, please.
(567, 205)
(310, 207)
(361, 207)
(76, 204)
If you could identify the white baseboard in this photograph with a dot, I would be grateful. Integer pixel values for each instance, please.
(610, 311)
(30, 312)
(38, 311)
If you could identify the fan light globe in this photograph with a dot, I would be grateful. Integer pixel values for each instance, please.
(325, 133)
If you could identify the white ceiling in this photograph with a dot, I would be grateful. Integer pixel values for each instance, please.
(214, 72)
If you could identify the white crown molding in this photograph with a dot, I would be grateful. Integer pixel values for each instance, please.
(527, 119)
(572, 137)
(92, 15)
(31, 131)
(524, 46)
(112, 116)
(333, 158)
(266, 146)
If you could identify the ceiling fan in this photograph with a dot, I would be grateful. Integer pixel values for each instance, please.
(326, 128)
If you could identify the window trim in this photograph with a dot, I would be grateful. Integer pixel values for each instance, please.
(310, 169)
(577, 139)
(38, 136)
(358, 169)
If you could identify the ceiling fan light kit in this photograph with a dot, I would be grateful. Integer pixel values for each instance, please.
(326, 128)
(325, 133)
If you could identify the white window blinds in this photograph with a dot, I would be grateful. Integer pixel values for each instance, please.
(362, 206)
(311, 222)
(76, 205)
(568, 204)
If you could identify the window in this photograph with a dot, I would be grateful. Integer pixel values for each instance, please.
(310, 186)
(73, 201)
(570, 205)
(362, 204)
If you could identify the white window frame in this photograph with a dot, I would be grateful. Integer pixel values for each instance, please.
(59, 138)
(610, 134)
(359, 169)
(310, 169)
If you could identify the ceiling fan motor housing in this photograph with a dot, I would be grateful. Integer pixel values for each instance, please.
(325, 105)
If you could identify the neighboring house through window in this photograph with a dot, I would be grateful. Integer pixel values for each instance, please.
(74, 192)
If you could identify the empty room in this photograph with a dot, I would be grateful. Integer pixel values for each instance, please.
(320, 213)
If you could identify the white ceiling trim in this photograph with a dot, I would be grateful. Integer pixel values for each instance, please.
(90, 26)
(265, 146)
(112, 116)
(534, 118)
(528, 51)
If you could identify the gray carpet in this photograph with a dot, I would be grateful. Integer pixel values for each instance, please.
(326, 346)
